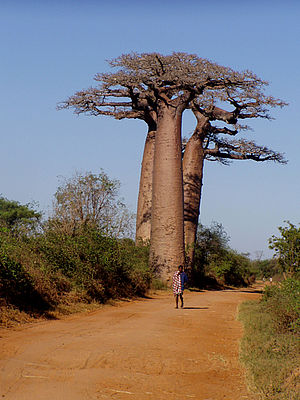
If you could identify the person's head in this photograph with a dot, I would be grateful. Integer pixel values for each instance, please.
(180, 268)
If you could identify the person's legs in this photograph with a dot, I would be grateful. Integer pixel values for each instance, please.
(176, 300)
(181, 298)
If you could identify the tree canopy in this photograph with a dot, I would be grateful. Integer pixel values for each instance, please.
(287, 248)
(13, 215)
(91, 200)
(143, 79)
(232, 105)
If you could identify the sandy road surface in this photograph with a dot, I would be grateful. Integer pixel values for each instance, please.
(144, 349)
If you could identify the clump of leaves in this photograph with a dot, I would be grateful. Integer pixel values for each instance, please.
(215, 260)
(283, 302)
(287, 248)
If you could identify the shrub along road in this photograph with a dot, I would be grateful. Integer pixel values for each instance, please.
(145, 349)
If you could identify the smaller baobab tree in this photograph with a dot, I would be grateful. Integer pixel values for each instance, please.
(209, 142)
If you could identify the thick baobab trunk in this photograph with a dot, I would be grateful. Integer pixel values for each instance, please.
(143, 217)
(167, 237)
(193, 162)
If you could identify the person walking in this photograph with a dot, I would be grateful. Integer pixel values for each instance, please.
(179, 279)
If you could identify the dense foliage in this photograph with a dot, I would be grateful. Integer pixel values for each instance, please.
(14, 215)
(272, 326)
(216, 262)
(282, 300)
(78, 255)
(283, 303)
(287, 248)
(266, 269)
(40, 272)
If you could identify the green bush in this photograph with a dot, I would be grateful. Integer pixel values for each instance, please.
(77, 255)
(17, 287)
(232, 268)
(16, 216)
(287, 248)
(103, 266)
(283, 302)
(215, 263)
(42, 271)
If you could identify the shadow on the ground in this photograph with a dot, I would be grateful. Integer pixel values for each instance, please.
(244, 290)
(226, 288)
(195, 308)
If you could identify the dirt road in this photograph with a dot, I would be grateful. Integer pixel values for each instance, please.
(143, 349)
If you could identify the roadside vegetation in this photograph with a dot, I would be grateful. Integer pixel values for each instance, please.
(80, 256)
(84, 254)
(271, 348)
(216, 264)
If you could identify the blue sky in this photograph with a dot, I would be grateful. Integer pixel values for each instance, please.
(50, 49)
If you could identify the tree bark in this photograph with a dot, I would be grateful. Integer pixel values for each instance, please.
(143, 217)
(193, 163)
(167, 236)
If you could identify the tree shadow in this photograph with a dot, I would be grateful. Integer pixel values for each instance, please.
(195, 308)
(259, 291)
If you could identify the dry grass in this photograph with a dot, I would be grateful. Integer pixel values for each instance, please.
(271, 358)
(11, 317)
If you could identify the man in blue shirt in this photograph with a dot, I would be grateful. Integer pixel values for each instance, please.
(179, 279)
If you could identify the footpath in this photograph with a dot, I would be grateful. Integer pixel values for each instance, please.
(140, 350)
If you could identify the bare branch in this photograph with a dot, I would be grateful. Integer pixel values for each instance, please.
(141, 81)
(225, 130)
(242, 150)
(153, 76)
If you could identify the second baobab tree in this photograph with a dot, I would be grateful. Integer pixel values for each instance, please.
(210, 142)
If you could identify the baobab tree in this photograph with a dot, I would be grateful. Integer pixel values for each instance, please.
(222, 151)
(164, 85)
(207, 142)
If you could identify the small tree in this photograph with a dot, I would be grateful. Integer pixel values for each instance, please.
(215, 260)
(212, 240)
(265, 268)
(287, 248)
(15, 216)
(91, 200)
